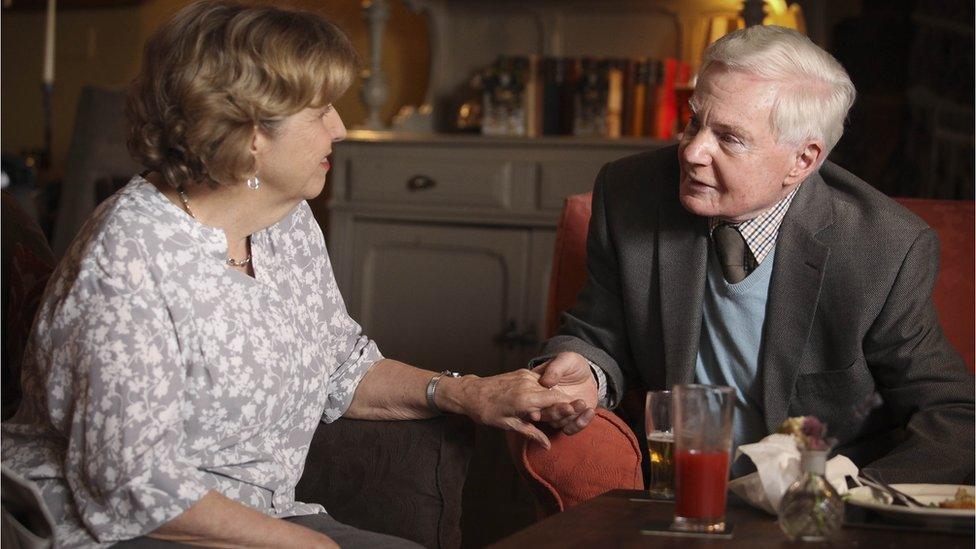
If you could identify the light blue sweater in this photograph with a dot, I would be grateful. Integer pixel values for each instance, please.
(729, 347)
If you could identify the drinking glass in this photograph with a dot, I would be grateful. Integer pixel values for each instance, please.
(660, 444)
(703, 439)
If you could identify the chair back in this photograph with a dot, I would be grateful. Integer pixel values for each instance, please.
(954, 294)
(27, 263)
(569, 259)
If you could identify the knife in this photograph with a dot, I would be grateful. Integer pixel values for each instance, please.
(897, 496)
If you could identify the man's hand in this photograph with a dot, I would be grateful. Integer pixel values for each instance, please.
(504, 400)
(571, 374)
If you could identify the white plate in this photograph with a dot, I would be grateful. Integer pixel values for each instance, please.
(926, 493)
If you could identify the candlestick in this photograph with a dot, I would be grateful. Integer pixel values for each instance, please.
(48, 75)
(753, 12)
(46, 92)
(375, 90)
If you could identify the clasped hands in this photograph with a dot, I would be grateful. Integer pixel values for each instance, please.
(561, 393)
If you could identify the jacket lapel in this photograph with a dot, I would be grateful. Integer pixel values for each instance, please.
(798, 273)
(683, 249)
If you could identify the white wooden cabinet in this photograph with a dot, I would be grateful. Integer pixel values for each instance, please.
(442, 244)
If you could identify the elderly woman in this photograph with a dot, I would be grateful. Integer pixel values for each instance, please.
(193, 337)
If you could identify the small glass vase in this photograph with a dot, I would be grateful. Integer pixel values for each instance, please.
(811, 510)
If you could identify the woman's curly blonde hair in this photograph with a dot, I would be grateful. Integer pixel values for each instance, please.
(218, 71)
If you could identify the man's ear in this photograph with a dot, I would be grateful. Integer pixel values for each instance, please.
(805, 161)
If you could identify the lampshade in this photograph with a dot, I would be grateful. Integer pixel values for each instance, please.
(780, 12)
(723, 21)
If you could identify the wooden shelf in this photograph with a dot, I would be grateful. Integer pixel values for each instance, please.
(562, 141)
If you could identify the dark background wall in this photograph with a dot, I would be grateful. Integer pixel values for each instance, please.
(910, 132)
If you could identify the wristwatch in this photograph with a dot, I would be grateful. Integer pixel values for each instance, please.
(432, 386)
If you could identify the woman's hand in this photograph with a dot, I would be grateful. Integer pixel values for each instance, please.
(394, 390)
(506, 401)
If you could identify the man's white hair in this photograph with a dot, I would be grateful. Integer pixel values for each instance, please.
(814, 93)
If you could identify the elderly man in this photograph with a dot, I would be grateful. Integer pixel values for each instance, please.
(744, 258)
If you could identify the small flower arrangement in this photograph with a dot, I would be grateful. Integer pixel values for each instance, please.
(809, 432)
(811, 510)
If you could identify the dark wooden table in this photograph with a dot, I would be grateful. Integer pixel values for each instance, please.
(615, 519)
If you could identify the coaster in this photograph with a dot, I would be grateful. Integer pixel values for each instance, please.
(663, 528)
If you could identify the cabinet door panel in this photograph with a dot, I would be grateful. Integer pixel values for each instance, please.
(541, 247)
(435, 296)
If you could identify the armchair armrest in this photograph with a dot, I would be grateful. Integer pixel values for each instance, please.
(602, 457)
(402, 478)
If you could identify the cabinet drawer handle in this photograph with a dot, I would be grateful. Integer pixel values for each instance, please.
(420, 182)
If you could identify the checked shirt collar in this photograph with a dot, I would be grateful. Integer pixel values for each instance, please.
(760, 232)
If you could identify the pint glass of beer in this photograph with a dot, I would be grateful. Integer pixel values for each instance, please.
(660, 444)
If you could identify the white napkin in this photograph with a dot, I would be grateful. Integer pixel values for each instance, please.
(777, 461)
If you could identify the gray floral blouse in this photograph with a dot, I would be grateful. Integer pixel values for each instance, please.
(155, 373)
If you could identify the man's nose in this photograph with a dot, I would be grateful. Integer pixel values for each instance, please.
(697, 149)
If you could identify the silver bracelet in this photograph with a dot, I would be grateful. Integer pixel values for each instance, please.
(432, 386)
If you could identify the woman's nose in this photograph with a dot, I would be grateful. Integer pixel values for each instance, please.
(337, 128)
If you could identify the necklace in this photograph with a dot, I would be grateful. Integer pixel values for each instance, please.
(230, 260)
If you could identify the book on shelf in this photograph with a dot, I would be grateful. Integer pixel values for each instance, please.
(615, 101)
(634, 97)
(532, 98)
(629, 67)
(673, 73)
(652, 94)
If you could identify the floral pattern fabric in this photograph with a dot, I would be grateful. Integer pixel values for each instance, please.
(155, 373)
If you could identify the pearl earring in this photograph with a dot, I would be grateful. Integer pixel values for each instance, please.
(253, 182)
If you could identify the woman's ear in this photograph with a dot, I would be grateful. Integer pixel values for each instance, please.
(258, 141)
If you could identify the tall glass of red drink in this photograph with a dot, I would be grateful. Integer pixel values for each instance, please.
(703, 437)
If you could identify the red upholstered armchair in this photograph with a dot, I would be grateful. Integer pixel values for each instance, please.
(606, 454)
